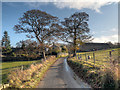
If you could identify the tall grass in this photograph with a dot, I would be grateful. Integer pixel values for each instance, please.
(9, 66)
(30, 77)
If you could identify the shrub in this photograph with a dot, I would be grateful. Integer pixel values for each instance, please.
(109, 82)
(13, 54)
(62, 54)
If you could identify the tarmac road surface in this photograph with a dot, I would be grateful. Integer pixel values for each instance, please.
(60, 75)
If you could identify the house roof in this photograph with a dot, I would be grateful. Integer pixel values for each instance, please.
(96, 44)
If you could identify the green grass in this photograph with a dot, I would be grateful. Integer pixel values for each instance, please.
(102, 57)
(102, 73)
(8, 66)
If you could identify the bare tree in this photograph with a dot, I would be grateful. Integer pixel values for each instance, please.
(37, 24)
(76, 29)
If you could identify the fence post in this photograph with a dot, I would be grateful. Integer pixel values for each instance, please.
(78, 56)
(110, 54)
(22, 68)
(94, 57)
(85, 57)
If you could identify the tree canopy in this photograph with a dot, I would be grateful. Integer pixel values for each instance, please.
(38, 24)
(44, 27)
(6, 43)
(76, 29)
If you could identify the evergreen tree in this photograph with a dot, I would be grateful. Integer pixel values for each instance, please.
(6, 47)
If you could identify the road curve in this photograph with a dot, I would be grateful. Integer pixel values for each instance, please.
(60, 75)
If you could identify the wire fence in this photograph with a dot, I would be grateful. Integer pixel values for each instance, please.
(101, 58)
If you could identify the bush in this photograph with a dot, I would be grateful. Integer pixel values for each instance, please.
(62, 54)
(109, 81)
(13, 54)
(22, 55)
(64, 49)
(119, 83)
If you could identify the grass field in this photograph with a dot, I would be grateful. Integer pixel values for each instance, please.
(8, 66)
(100, 57)
(104, 73)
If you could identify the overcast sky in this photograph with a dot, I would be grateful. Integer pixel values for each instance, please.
(103, 15)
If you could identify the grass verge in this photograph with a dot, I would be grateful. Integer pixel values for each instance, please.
(96, 76)
(9, 66)
(30, 77)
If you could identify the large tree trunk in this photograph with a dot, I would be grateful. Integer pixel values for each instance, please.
(44, 55)
(43, 51)
(74, 52)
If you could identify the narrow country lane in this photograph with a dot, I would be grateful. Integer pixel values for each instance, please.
(60, 75)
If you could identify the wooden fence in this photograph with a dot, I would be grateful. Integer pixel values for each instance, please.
(99, 57)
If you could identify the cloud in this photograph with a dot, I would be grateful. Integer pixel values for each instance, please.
(110, 32)
(80, 4)
(111, 38)
(35, 4)
(93, 32)
(108, 35)
(114, 30)
(76, 4)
